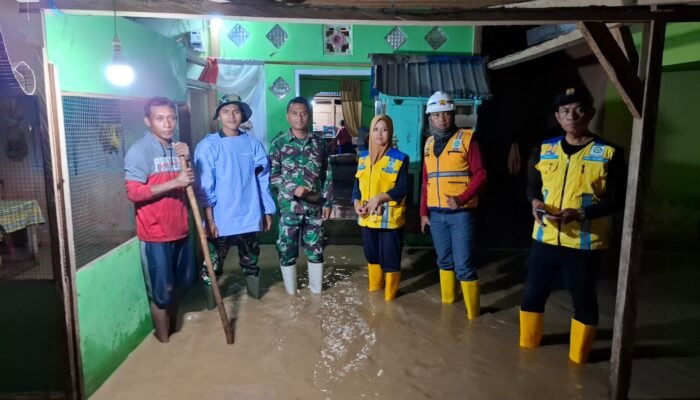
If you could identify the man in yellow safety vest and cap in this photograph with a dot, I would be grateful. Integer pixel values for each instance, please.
(576, 182)
(453, 175)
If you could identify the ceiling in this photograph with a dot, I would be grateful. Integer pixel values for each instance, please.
(492, 12)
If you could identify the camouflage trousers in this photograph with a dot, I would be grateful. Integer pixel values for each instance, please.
(291, 226)
(248, 253)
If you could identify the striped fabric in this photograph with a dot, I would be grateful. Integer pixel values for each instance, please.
(16, 215)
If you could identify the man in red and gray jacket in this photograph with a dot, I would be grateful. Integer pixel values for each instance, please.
(155, 182)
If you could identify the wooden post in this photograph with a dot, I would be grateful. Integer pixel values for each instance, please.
(61, 217)
(207, 259)
(641, 154)
(478, 39)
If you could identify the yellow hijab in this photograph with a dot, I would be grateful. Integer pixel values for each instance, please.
(376, 152)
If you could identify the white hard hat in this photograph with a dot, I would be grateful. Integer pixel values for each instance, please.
(440, 101)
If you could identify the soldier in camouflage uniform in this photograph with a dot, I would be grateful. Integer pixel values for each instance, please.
(301, 174)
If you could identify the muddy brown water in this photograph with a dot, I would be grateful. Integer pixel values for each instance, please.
(350, 344)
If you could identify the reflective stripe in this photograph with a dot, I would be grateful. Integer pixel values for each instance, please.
(585, 234)
(442, 174)
(385, 216)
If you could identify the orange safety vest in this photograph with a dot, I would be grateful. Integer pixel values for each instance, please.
(449, 174)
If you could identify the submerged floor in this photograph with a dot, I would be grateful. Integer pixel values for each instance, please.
(349, 344)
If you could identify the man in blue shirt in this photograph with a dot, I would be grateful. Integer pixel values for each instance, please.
(233, 178)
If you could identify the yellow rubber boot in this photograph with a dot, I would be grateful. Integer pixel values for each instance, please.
(472, 294)
(376, 277)
(392, 285)
(531, 325)
(581, 341)
(447, 286)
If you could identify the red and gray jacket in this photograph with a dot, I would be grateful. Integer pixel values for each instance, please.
(148, 163)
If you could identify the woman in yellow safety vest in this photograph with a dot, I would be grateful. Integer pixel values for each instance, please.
(379, 198)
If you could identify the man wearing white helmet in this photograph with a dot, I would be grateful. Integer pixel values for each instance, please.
(453, 175)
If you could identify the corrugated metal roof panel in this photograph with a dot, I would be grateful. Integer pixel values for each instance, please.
(421, 76)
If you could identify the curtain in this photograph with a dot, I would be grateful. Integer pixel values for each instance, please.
(351, 102)
(246, 79)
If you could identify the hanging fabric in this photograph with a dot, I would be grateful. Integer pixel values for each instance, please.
(351, 102)
(247, 80)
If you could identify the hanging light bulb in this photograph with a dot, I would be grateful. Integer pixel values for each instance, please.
(118, 72)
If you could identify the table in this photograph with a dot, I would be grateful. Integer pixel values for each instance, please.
(16, 215)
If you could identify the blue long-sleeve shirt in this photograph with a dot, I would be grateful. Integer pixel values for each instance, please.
(233, 177)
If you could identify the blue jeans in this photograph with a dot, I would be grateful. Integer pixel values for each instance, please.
(453, 238)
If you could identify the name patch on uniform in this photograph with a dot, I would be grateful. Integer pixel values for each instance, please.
(390, 166)
(166, 164)
(548, 152)
(596, 154)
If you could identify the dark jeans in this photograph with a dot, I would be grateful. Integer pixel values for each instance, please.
(578, 269)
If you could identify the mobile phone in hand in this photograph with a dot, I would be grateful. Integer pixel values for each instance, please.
(541, 213)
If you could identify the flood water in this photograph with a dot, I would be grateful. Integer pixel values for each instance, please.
(350, 344)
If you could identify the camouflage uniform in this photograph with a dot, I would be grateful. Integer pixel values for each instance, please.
(296, 162)
(248, 253)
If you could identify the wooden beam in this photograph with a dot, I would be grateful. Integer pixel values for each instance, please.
(644, 58)
(200, 85)
(613, 60)
(405, 4)
(478, 39)
(638, 177)
(559, 43)
(623, 37)
(63, 244)
(200, 61)
(278, 12)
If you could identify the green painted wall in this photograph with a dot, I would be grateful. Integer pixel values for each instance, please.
(305, 44)
(673, 208)
(81, 48)
(113, 312)
(682, 43)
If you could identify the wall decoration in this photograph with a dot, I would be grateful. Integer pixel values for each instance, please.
(337, 39)
(277, 36)
(436, 37)
(238, 35)
(280, 88)
(396, 38)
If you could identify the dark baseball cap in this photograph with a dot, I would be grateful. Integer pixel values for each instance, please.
(234, 99)
(573, 95)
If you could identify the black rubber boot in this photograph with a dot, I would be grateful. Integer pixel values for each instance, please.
(252, 283)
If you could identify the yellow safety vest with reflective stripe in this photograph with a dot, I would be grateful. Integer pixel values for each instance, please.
(574, 181)
(381, 178)
(449, 174)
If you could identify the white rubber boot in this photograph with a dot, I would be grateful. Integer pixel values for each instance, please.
(289, 275)
(315, 277)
